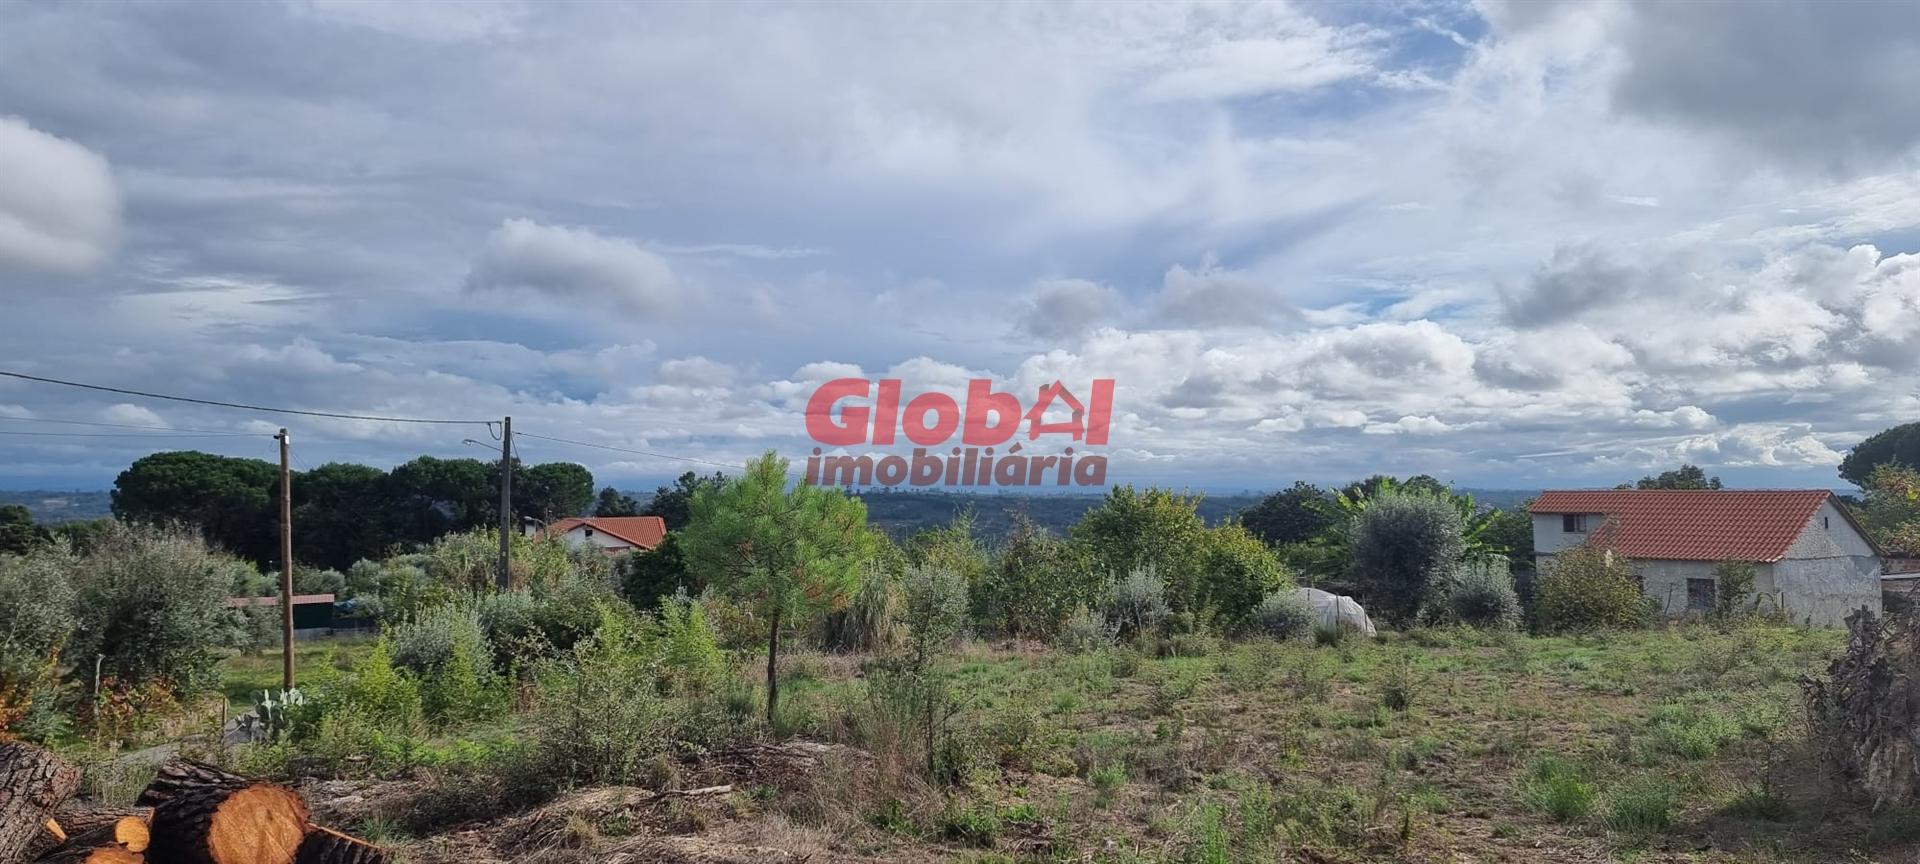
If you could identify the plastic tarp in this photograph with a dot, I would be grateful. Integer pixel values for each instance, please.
(1336, 611)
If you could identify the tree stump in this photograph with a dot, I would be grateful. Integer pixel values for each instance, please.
(203, 815)
(327, 846)
(33, 781)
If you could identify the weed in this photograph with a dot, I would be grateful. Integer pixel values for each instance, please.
(1559, 789)
(1642, 806)
(1107, 781)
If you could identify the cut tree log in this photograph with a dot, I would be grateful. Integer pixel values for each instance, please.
(79, 817)
(327, 846)
(76, 818)
(129, 833)
(112, 853)
(203, 815)
(33, 781)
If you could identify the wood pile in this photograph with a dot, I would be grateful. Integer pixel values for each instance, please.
(190, 814)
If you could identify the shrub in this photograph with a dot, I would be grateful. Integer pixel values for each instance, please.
(394, 589)
(151, 603)
(1404, 549)
(1733, 595)
(872, 621)
(1237, 573)
(1154, 530)
(1643, 805)
(1137, 603)
(444, 648)
(36, 616)
(646, 578)
(1481, 595)
(934, 608)
(1037, 584)
(600, 720)
(691, 652)
(1586, 588)
(1559, 789)
(1086, 630)
(1285, 615)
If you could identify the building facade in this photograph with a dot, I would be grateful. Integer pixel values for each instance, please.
(1809, 555)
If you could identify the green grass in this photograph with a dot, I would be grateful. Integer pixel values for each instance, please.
(243, 677)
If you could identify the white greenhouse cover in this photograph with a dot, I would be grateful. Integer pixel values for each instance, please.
(1336, 610)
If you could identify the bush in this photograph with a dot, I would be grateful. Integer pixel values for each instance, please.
(1587, 588)
(646, 578)
(1237, 573)
(1481, 595)
(1404, 549)
(444, 648)
(872, 621)
(1086, 630)
(1733, 595)
(691, 654)
(1284, 615)
(600, 720)
(36, 616)
(1137, 603)
(1038, 583)
(934, 608)
(151, 603)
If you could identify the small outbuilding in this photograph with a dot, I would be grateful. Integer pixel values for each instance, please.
(1807, 551)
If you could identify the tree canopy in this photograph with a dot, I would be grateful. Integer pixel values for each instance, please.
(343, 512)
(1296, 514)
(674, 504)
(1683, 477)
(1901, 444)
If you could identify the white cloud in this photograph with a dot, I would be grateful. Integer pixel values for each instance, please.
(59, 207)
(131, 414)
(546, 264)
(695, 372)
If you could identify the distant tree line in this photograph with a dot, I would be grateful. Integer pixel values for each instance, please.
(344, 512)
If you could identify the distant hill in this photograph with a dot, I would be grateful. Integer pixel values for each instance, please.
(49, 507)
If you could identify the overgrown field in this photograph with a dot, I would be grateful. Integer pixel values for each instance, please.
(1680, 744)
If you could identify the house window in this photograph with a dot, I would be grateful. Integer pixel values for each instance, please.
(1573, 523)
(1699, 594)
(589, 532)
(1826, 523)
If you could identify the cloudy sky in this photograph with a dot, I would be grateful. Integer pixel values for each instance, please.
(1511, 245)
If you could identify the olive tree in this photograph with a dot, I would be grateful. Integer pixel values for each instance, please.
(791, 552)
(1404, 550)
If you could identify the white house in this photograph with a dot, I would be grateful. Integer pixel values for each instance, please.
(1808, 553)
(610, 534)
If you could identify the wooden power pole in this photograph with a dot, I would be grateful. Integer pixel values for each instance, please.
(286, 565)
(506, 503)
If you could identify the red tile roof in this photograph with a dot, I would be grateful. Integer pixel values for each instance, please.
(1694, 525)
(645, 532)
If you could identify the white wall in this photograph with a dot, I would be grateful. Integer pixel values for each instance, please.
(1829, 571)
(1548, 538)
(587, 535)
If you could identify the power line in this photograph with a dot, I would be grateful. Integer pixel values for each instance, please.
(135, 434)
(240, 405)
(124, 425)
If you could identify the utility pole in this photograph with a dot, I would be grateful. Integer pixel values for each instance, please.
(506, 503)
(286, 565)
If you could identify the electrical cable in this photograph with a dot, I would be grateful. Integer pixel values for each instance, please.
(240, 405)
